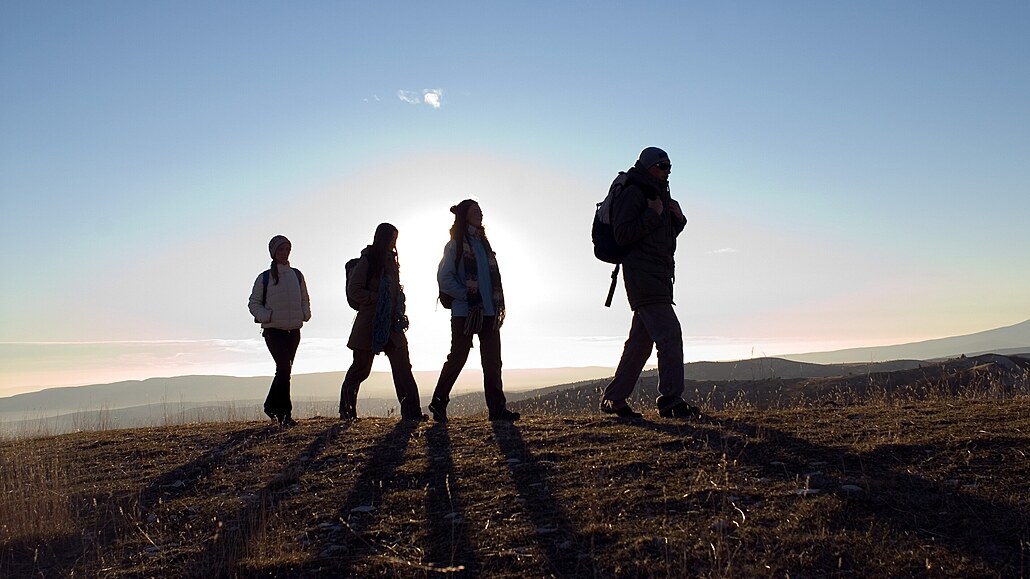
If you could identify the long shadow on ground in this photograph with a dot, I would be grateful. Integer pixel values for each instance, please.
(357, 511)
(449, 549)
(993, 533)
(82, 551)
(566, 552)
(222, 554)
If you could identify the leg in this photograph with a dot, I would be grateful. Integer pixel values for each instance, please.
(664, 327)
(490, 355)
(460, 346)
(360, 368)
(283, 348)
(403, 379)
(634, 355)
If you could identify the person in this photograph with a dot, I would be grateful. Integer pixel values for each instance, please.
(279, 302)
(470, 282)
(647, 220)
(374, 284)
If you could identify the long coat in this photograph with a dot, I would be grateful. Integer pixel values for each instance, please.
(366, 294)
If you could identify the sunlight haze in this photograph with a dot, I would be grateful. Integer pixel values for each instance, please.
(854, 174)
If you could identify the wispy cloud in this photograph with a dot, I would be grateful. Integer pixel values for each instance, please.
(725, 250)
(430, 96)
(408, 96)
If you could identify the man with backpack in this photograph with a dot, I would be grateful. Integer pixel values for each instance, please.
(646, 221)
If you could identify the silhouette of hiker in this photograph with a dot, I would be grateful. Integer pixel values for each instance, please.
(470, 285)
(646, 219)
(374, 284)
(280, 303)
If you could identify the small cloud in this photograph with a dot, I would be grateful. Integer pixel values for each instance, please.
(433, 97)
(726, 250)
(409, 97)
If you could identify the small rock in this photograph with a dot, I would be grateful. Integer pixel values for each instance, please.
(363, 509)
(806, 492)
(851, 488)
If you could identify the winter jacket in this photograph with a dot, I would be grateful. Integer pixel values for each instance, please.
(451, 278)
(367, 296)
(287, 305)
(649, 268)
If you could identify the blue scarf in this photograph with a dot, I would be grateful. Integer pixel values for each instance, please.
(390, 317)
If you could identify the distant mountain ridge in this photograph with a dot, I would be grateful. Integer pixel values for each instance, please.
(1014, 339)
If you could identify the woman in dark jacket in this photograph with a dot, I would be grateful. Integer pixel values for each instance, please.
(470, 282)
(374, 285)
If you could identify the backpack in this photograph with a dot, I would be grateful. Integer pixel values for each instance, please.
(602, 233)
(264, 285)
(348, 267)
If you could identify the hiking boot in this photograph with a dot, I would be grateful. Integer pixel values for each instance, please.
(288, 421)
(680, 410)
(439, 411)
(505, 414)
(623, 411)
(274, 418)
(415, 418)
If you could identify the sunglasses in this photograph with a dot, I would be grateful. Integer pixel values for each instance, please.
(664, 166)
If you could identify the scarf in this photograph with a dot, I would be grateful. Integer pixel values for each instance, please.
(474, 322)
(390, 316)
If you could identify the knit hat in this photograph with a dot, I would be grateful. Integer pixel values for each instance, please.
(651, 156)
(275, 243)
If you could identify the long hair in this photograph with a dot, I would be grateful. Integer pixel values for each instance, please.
(460, 226)
(384, 252)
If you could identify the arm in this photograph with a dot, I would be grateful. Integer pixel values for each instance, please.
(305, 299)
(447, 274)
(257, 309)
(357, 289)
(679, 220)
(633, 218)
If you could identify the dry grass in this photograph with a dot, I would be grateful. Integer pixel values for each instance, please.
(891, 488)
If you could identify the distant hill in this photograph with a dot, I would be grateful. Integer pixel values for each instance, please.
(987, 375)
(1009, 340)
(740, 370)
(127, 403)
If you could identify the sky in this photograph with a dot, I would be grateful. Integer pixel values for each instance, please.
(853, 173)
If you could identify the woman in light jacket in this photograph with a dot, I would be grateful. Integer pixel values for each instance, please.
(470, 284)
(279, 301)
(374, 284)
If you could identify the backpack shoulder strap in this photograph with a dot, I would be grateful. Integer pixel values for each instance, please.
(264, 285)
(300, 276)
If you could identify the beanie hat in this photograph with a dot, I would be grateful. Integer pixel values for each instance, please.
(275, 243)
(651, 156)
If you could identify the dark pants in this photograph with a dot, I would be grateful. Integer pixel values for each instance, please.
(403, 380)
(282, 344)
(654, 324)
(489, 354)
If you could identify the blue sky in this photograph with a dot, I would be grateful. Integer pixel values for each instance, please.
(854, 173)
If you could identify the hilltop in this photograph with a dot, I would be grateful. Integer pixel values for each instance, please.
(893, 488)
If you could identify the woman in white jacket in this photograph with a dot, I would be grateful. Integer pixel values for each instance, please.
(280, 303)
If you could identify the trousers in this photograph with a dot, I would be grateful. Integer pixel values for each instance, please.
(489, 355)
(654, 324)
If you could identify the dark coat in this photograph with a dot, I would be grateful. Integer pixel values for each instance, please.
(367, 295)
(649, 268)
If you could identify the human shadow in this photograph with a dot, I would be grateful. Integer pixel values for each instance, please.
(567, 553)
(357, 511)
(905, 502)
(107, 517)
(220, 556)
(450, 549)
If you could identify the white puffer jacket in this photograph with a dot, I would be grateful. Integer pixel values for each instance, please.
(286, 306)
